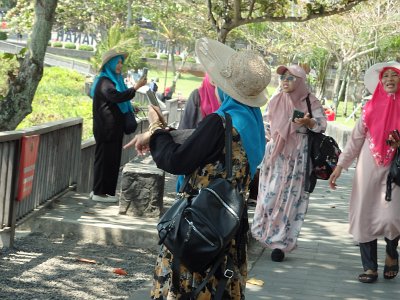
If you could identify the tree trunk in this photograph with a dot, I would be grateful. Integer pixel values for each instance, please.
(129, 14)
(18, 102)
(346, 95)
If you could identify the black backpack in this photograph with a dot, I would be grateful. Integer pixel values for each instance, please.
(198, 229)
(323, 151)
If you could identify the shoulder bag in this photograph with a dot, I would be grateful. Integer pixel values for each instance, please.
(323, 151)
(198, 230)
(130, 123)
(393, 176)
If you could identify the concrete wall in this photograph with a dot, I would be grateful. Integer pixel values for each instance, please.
(339, 132)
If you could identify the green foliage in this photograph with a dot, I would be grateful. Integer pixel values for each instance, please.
(3, 35)
(69, 46)
(8, 70)
(57, 44)
(123, 40)
(191, 59)
(151, 55)
(177, 58)
(60, 95)
(163, 56)
(85, 48)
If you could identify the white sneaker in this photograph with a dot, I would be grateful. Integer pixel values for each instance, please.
(104, 198)
(91, 195)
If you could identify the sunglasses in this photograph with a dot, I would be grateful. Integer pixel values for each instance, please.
(288, 78)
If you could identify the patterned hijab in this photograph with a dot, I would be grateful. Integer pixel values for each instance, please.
(108, 71)
(249, 123)
(381, 115)
(280, 111)
(208, 100)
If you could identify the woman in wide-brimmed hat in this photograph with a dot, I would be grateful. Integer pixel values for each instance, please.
(374, 145)
(240, 79)
(111, 99)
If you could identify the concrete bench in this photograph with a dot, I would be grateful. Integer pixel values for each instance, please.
(142, 189)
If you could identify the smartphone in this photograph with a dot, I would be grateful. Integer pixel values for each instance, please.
(297, 114)
(151, 96)
(144, 73)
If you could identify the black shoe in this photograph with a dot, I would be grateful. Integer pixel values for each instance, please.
(277, 255)
(394, 269)
(367, 278)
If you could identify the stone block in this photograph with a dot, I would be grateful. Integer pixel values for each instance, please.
(142, 189)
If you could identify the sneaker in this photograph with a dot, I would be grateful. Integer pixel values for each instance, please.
(104, 198)
(91, 195)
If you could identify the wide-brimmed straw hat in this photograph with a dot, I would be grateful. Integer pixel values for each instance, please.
(295, 70)
(111, 54)
(371, 77)
(243, 75)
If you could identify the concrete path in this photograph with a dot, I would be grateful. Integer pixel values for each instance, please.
(324, 266)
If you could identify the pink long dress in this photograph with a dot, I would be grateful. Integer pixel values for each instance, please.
(282, 202)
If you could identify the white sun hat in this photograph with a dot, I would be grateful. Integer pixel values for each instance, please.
(371, 77)
(243, 75)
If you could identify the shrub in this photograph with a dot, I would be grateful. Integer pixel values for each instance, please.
(191, 60)
(69, 46)
(3, 35)
(151, 55)
(177, 58)
(86, 48)
(163, 56)
(57, 44)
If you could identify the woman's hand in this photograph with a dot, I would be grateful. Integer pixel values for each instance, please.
(306, 121)
(394, 140)
(155, 115)
(141, 82)
(334, 176)
(141, 142)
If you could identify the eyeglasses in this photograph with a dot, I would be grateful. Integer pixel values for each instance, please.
(288, 78)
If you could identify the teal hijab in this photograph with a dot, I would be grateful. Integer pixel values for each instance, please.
(248, 122)
(108, 71)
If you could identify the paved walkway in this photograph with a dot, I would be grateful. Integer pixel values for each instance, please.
(324, 266)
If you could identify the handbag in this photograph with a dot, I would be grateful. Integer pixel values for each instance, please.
(393, 176)
(198, 229)
(323, 151)
(130, 123)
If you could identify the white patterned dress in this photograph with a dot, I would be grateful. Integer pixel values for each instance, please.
(282, 202)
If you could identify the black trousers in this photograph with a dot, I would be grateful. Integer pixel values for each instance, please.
(106, 167)
(369, 253)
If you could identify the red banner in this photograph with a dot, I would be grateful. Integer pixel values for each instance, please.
(29, 151)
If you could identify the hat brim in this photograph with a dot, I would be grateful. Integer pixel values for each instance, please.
(214, 55)
(371, 77)
(107, 59)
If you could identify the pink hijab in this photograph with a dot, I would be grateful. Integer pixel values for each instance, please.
(280, 110)
(208, 100)
(381, 115)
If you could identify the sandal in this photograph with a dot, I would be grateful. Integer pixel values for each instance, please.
(367, 278)
(393, 268)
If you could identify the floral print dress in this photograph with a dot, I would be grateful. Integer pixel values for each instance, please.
(282, 201)
(235, 287)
